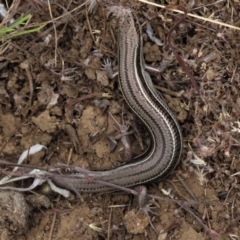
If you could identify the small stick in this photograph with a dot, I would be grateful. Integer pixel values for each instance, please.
(109, 224)
(186, 187)
(86, 97)
(192, 15)
(52, 225)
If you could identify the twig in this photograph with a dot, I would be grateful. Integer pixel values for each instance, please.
(10, 13)
(109, 224)
(52, 225)
(192, 15)
(55, 32)
(186, 187)
(89, 25)
(86, 97)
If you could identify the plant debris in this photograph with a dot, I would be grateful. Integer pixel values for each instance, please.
(64, 50)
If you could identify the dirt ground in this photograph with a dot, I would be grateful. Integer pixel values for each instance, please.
(42, 73)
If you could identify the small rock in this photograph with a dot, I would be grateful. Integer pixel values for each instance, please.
(136, 223)
(14, 212)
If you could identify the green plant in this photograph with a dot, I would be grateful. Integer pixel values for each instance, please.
(14, 29)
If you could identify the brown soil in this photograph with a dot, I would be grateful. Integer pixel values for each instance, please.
(68, 67)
